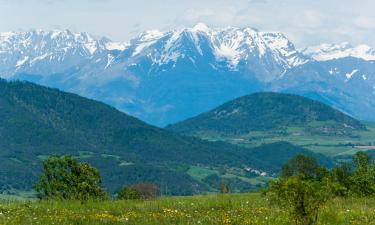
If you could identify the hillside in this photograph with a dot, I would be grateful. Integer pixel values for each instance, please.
(269, 112)
(163, 77)
(38, 121)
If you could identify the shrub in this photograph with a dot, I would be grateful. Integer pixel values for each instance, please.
(146, 190)
(224, 187)
(65, 178)
(302, 198)
(129, 193)
(303, 189)
(363, 178)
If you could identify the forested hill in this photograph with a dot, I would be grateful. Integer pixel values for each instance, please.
(36, 122)
(267, 112)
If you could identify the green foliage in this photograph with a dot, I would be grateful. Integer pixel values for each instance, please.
(342, 174)
(37, 122)
(303, 198)
(303, 189)
(269, 112)
(304, 166)
(65, 178)
(209, 209)
(363, 179)
(357, 179)
(129, 193)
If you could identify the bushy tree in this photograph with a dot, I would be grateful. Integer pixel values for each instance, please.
(303, 189)
(65, 178)
(363, 179)
(129, 193)
(342, 175)
(302, 198)
(304, 166)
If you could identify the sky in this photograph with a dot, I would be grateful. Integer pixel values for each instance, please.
(305, 22)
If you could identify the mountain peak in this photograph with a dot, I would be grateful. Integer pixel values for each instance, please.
(325, 52)
(201, 27)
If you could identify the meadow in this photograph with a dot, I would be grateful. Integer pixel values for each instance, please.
(211, 209)
(328, 145)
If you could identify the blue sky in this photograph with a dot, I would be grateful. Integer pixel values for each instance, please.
(304, 22)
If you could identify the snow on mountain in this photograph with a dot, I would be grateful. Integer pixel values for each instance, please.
(326, 52)
(236, 48)
(46, 52)
(166, 76)
(20, 51)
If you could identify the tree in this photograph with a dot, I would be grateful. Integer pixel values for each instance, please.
(129, 193)
(224, 188)
(65, 178)
(302, 198)
(363, 179)
(303, 189)
(362, 162)
(342, 174)
(304, 166)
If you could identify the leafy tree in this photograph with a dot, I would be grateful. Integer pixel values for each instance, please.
(363, 179)
(65, 178)
(342, 174)
(302, 198)
(304, 166)
(129, 193)
(303, 189)
(363, 162)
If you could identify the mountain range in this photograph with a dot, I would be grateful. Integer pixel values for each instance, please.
(165, 77)
(37, 122)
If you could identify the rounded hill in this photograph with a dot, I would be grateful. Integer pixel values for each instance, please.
(270, 112)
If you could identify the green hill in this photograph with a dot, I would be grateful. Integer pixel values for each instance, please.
(266, 118)
(36, 122)
(269, 111)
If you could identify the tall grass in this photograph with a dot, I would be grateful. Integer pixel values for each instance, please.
(213, 209)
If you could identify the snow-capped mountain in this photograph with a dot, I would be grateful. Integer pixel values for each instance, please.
(46, 52)
(326, 52)
(163, 77)
(269, 54)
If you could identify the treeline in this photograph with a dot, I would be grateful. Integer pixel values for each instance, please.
(304, 186)
(64, 178)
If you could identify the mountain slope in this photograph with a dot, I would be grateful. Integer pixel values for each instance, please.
(346, 84)
(327, 52)
(269, 112)
(165, 77)
(38, 121)
(144, 77)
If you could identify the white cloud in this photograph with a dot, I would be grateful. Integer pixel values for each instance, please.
(365, 22)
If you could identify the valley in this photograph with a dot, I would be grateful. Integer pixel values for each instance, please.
(253, 112)
(331, 146)
(38, 122)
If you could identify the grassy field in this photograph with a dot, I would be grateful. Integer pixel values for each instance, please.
(213, 209)
(326, 144)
